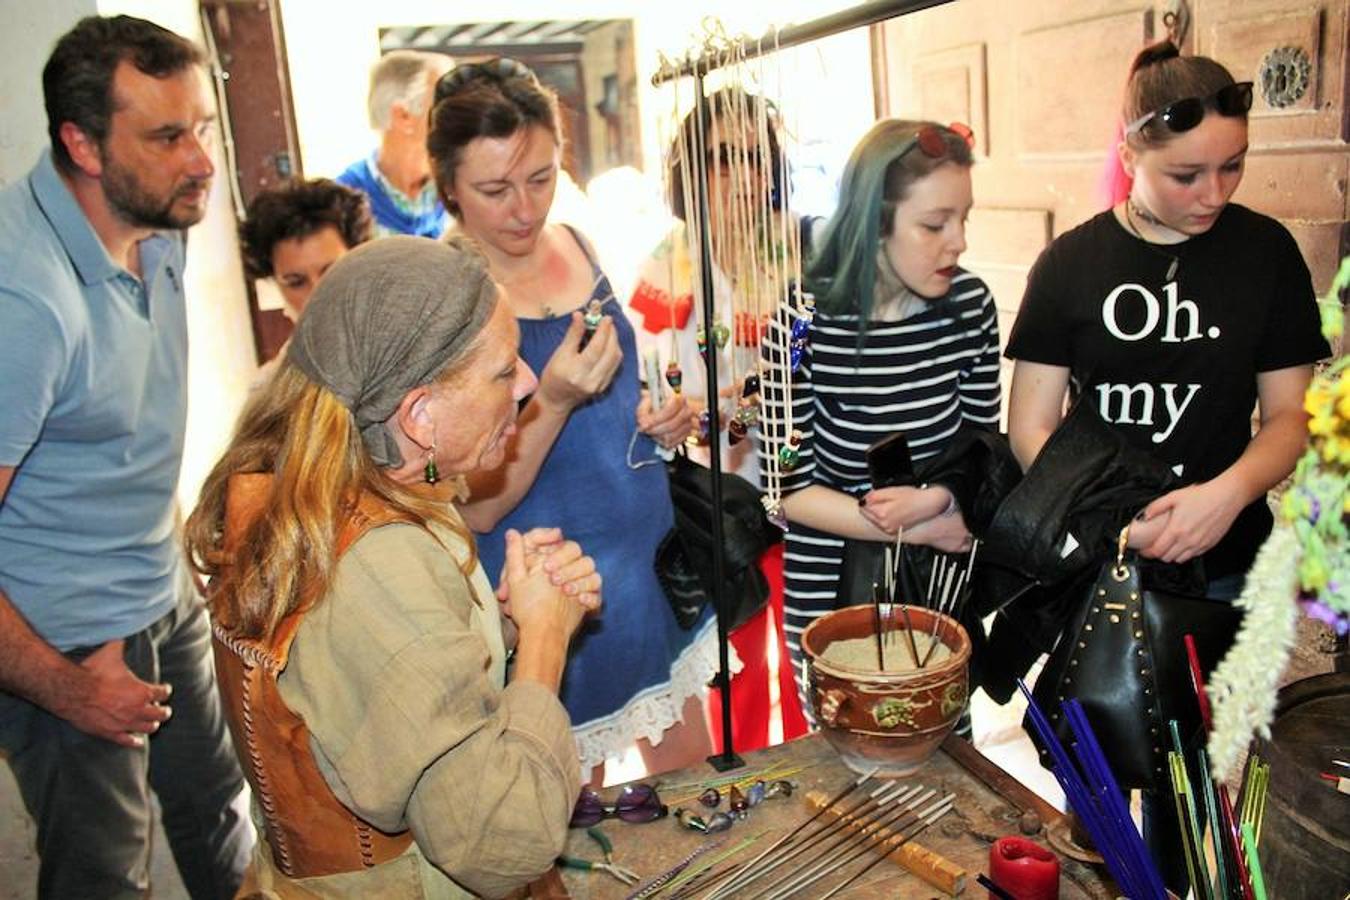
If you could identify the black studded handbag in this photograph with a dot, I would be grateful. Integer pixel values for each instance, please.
(1123, 657)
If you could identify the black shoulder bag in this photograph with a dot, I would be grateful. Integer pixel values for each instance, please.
(684, 557)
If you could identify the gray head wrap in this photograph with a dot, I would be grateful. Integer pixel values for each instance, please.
(390, 316)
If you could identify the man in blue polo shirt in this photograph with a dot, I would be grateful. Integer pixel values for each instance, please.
(102, 637)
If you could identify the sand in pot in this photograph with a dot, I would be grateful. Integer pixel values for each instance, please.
(861, 653)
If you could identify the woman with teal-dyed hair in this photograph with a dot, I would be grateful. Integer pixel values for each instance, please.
(903, 340)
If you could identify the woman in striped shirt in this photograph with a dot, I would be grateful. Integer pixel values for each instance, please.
(903, 340)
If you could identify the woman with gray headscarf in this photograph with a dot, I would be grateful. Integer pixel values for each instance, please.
(360, 647)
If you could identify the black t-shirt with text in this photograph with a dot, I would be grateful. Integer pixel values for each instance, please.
(1173, 363)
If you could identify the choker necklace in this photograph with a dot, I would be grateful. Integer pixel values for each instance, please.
(1144, 214)
(1174, 260)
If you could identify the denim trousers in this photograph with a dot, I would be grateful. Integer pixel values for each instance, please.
(91, 798)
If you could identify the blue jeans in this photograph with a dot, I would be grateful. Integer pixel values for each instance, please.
(91, 798)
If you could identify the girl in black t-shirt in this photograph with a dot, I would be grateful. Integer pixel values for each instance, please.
(1174, 313)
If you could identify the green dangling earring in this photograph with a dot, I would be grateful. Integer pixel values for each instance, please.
(431, 473)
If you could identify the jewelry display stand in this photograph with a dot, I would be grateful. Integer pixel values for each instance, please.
(698, 69)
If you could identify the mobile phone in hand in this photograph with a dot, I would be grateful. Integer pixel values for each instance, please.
(889, 463)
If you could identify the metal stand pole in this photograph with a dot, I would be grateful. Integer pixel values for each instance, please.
(727, 759)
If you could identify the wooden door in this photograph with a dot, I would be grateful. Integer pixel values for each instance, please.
(1041, 80)
(258, 122)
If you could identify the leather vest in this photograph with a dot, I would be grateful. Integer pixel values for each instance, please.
(308, 829)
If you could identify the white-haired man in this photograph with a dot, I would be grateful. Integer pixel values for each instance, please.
(396, 176)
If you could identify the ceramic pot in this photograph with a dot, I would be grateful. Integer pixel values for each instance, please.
(891, 719)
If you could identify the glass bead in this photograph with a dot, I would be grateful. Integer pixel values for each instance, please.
(674, 376)
(773, 511)
(594, 313)
(779, 788)
(736, 431)
(721, 334)
(710, 798)
(754, 796)
(789, 457)
(800, 326)
(719, 822)
(690, 821)
(751, 387)
(736, 800)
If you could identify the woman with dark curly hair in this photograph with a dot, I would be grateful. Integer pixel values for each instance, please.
(296, 232)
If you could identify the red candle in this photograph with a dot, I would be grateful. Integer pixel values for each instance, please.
(1024, 869)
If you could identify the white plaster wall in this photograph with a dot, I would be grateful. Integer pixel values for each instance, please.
(222, 362)
(29, 30)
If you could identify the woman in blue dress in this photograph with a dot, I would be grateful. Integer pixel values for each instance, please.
(585, 452)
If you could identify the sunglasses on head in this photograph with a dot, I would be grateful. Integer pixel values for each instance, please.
(637, 803)
(1183, 115)
(932, 139)
(497, 69)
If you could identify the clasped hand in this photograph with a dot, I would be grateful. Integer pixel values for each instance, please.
(574, 374)
(920, 513)
(548, 583)
(893, 508)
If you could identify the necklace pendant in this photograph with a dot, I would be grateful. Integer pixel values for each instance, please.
(773, 511)
(595, 311)
(736, 431)
(1172, 269)
(721, 334)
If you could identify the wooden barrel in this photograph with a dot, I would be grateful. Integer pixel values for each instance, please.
(1305, 836)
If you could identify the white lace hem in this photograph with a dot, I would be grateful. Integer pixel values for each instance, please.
(651, 713)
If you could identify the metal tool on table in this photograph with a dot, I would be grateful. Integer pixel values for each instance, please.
(623, 874)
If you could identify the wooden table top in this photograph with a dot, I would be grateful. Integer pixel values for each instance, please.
(989, 805)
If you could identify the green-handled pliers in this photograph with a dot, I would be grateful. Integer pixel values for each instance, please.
(625, 875)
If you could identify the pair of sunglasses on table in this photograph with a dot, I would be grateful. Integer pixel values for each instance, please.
(1183, 115)
(637, 803)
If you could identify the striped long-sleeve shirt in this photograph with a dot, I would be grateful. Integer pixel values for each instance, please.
(923, 375)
